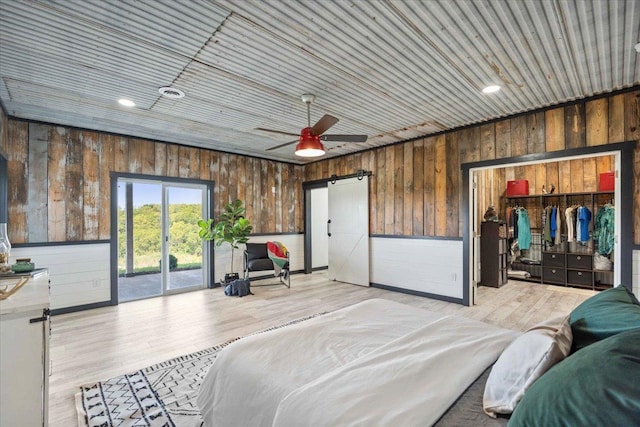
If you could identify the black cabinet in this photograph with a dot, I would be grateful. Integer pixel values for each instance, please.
(493, 254)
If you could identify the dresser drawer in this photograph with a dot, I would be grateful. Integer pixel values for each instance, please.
(551, 259)
(579, 277)
(554, 275)
(580, 261)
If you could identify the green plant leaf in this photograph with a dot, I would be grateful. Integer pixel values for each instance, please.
(232, 227)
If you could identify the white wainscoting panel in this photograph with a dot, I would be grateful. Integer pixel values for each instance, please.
(79, 274)
(635, 280)
(293, 242)
(424, 265)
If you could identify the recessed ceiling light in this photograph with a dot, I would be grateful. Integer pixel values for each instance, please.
(171, 92)
(637, 47)
(126, 102)
(491, 89)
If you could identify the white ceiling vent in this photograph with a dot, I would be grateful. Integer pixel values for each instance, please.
(171, 92)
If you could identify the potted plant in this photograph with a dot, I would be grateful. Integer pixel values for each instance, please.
(232, 228)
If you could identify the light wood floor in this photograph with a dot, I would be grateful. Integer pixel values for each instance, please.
(98, 344)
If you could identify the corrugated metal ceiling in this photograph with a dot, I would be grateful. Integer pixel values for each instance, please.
(389, 69)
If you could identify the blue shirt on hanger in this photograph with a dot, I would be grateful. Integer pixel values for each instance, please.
(584, 216)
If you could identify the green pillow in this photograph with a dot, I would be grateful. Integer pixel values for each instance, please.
(603, 315)
(597, 386)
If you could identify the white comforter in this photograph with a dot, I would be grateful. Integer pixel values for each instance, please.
(375, 363)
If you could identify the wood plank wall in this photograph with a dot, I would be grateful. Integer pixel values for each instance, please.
(568, 176)
(59, 184)
(416, 187)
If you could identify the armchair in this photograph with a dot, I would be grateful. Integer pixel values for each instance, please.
(256, 258)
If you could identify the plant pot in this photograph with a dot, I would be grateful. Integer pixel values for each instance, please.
(230, 277)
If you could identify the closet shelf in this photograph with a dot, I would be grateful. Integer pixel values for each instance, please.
(563, 263)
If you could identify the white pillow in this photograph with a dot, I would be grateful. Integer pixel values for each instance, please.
(524, 361)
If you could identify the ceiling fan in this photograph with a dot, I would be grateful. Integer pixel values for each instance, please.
(309, 144)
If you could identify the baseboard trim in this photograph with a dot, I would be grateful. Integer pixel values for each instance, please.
(82, 307)
(418, 293)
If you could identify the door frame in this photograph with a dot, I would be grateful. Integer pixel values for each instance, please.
(624, 151)
(307, 186)
(114, 177)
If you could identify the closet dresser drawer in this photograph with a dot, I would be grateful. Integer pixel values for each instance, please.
(552, 259)
(554, 275)
(580, 277)
(580, 261)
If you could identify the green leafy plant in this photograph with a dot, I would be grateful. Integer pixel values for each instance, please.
(232, 227)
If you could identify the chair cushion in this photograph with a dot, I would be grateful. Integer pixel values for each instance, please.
(259, 264)
(257, 251)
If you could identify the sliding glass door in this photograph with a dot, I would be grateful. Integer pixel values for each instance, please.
(184, 247)
(159, 251)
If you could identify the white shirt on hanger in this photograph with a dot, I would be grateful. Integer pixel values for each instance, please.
(567, 215)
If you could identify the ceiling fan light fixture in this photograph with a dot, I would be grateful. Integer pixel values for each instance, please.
(307, 151)
(309, 145)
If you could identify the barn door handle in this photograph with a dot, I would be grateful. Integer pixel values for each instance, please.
(328, 229)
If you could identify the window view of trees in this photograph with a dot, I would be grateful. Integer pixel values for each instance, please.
(184, 243)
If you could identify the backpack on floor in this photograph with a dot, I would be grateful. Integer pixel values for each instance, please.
(239, 287)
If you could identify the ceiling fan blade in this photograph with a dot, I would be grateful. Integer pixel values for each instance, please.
(277, 131)
(344, 138)
(323, 124)
(282, 145)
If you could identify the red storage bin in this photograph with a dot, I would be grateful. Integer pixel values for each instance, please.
(519, 187)
(607, 181)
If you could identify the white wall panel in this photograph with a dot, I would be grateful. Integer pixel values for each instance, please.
(79, 274)
(424, 265)
(293, 242)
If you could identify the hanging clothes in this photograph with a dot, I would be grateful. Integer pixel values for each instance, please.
(558, 238)
(584, 218)
(604, 229)
(514, 222)
(546, 226)
(568, 217)
(524, 229)
(554, 224)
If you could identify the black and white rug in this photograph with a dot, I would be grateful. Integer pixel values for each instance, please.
(162, 395)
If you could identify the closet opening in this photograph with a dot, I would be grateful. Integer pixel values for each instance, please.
(573, 231)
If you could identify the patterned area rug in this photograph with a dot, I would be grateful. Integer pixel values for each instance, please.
(161, 395)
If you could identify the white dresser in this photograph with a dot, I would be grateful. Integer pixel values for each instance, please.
(24, 352)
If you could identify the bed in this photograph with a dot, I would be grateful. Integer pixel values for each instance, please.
(382, 363)
(374, 363)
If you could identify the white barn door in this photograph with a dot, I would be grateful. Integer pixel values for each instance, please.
(348, 230)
